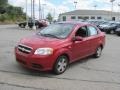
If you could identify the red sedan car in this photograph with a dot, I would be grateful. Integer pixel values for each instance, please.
(58, 45)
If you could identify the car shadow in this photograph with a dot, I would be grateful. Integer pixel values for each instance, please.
(81, 61)
(31, 72)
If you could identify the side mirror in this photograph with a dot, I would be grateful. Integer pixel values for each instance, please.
(77, 38)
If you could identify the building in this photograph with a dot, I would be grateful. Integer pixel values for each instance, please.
(89, 15)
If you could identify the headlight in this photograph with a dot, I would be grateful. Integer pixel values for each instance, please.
(44, 51)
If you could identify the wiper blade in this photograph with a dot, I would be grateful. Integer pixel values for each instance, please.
(50, 35)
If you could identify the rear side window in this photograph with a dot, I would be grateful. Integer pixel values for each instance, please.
(92, 30)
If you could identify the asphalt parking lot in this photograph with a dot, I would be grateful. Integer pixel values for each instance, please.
(88, 74)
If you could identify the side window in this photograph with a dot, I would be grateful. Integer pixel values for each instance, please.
(92, 31)
(82, 31)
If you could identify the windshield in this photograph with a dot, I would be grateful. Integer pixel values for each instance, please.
(57, 30)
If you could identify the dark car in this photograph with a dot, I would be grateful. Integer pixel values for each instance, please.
(94, 22)
(113, 28)
(97, 22)
(22, 24)
(38, 24)
(110, 27)
(58, 45)
(118, 32)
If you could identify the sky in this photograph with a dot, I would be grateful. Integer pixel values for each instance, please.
(55, 7)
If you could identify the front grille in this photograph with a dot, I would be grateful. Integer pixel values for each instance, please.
(24, 49)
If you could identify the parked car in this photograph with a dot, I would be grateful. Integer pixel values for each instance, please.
(97, 22)
(109, 27)
(118, 32)
(22, 24)
(104, 27)
(94, 22)
(113, 27)
(38, 24)
(43, 23)
(58, 45)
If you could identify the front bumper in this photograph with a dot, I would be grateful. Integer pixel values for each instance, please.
(35, 62)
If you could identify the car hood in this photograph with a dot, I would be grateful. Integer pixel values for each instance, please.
(36, 41)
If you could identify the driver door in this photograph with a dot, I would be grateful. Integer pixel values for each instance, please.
(81, 49)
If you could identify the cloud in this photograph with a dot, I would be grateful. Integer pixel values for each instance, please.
(66, 5)
(89, 4)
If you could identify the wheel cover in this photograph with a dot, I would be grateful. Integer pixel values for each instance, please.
(99, 50)
(62, 64)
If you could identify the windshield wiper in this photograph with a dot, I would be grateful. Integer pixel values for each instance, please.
(50, 35)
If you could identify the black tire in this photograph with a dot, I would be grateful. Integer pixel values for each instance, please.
(22, 26)
(118, 34)
(98, 52)
(63, 61)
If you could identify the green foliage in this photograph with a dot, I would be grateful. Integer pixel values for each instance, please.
(49, 17)
(12, 13)
(3, 2)
(2, 18)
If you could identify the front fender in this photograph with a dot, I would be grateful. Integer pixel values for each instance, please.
(63, 51)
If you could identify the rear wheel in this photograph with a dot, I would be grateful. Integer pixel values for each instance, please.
(60, 65)
(98, 52)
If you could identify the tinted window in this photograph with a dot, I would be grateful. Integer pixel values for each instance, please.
(99, 17)
(86, 18)
(82, 31)
(92, 17)
(73, 17)
(92, 30)
(79, 17)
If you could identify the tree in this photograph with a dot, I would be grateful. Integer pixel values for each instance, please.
(3, 3)
(10, 13)
(2, 18)
(49, 17)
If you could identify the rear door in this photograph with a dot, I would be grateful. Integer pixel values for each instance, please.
(94, 38)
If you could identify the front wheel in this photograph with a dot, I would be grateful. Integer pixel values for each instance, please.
(22, 26)
(60, 65)
(98, 52)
